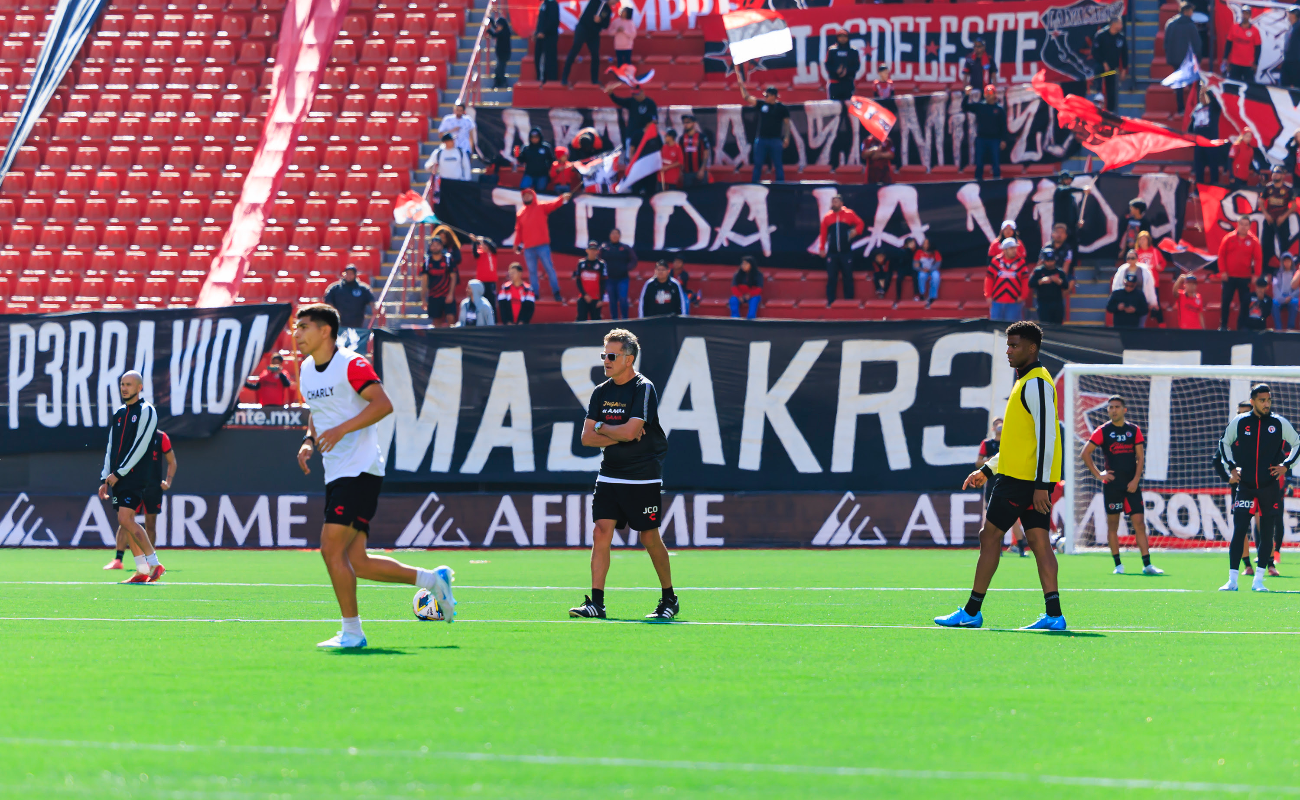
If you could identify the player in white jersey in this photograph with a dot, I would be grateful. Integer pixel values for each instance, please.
(346, 400)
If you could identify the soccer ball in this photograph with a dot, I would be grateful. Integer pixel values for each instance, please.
(425, 606)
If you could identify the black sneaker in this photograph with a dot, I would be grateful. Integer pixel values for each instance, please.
(588, 609)
(667, 609)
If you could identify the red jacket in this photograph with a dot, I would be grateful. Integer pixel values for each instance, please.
(847, 225)
(1241, 154)
(531, 227)
(1240, 257)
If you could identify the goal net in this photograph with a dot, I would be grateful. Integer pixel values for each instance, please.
(1182, 411)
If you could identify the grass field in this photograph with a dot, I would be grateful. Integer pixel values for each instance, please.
(209, 685)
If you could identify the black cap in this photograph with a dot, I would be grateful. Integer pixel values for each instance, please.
(593, 245)
(1294, 10)
(1046, 253)
(1066, 174)
(1131, 277)
(1278, 169)
(771, 90)
(447, 137)
(685, 117)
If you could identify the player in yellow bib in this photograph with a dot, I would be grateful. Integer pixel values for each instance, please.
(1024, 472)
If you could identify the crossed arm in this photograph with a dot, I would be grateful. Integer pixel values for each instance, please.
(629, 431)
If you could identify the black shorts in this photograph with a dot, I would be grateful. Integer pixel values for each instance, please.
(1013, 499)
(1267, 500)
(633, 504)
(438, 308)
(125, 497)
(1119, 500)
(353, 501)
(153, 502)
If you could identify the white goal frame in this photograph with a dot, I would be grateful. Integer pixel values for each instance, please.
(1071, 372)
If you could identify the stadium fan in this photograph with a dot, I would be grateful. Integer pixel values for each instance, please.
(839, 228)
(1049, 282)
(1110, 52)
(1148, 255)
(353, 300)
(127, 471)
(882, 87)
(879, 157)
(160, 450)
(1277, 201)
(1027, 468)
(1242, 156)
(590, 279)
(1063, 253)
(881, 271)
(1124, 449)
(1286, 295)
(620, 263)
(272, 386)
(623, 421)
(537, 157)
(586, 33)
(1189, 303)
(1128, 305)
(1005, 284)
(1241, 50)
(449, 162)
(586, 143)
(450, 244)
(661, 295)
(533, 236)
(475, 310)
(485, 266)
(564, 176)
(990, 128)
(462, 128)
(440, 279)
(1253, 453)
(773, 134)
(1066, 209)
(670, 174)
(1289, 75)
(1146, 282)
(679, 273)
(347, 399)
(746, 289)
(980, 69)
(546, 41)
(624, 31)
(1007, 231)
(640, 109)
(1261, 306)
(926, 262)
(842, 65)
(696, 147)
(1134, 224)
(904, 263)
(1240, 261)
(1205, 122)
(501, 35)
(516, 301)
(1181, 38)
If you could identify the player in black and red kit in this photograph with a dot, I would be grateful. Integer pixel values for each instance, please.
(1124, 448)
(989, 448)
(590, 277)
(1254, 450)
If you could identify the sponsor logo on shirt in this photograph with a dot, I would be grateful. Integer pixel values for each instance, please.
(324, 391)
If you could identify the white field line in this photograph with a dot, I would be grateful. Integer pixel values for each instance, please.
(691, 766)
(612, 589)
(724, 624)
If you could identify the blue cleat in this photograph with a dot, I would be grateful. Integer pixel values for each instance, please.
(343, 640)
(960, 619)
(1046, 623)
(442, 592)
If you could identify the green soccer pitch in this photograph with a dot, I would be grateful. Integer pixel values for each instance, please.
(209, 685)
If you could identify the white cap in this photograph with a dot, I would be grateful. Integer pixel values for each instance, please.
(1008, 224)
(1009, 243)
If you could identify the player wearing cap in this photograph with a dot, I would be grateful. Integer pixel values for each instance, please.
(346, 400)
(1122, 444)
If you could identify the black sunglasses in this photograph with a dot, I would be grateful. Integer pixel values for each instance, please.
(610, 356)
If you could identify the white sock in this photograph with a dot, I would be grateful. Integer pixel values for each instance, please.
(424, 578)
(352, 625)
(141, 565)
(152, 559)
(1232, 575)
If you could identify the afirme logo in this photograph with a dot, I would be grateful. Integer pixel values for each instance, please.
(426, 533)
(835, 532)
(18, 533)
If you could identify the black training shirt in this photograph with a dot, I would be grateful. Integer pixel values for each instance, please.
(640, 461)
(770, 119)
(1119, 443)
(1048, 292)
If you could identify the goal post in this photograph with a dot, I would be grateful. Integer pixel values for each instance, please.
(1182, 411)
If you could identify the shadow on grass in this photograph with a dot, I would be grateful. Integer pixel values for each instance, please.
(1061, 634)
(368, 651)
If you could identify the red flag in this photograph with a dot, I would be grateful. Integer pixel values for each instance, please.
(877, 119)
(1117, 140)
(627, 74)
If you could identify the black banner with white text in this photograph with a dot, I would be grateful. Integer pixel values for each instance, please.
(60, 388)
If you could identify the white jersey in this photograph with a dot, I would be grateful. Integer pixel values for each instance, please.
(334, 394)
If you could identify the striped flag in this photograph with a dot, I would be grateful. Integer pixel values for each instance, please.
(877, 119)
(627, 74)
(756, 33)
(646, 161)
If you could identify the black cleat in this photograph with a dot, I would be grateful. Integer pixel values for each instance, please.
(588, 609)
(666, 610)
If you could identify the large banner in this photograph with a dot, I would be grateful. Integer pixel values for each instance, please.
(749, 406)
(931, 131)
(512, 520)
(1271, 113)
(779, 222)
(61, 386)
(924, 42)
(1274, 31)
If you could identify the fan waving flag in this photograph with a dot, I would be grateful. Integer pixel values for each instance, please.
(756, 33)
(1119, 141)
(877, 119)
(1185, 75)
(627, 74)
(646, 161)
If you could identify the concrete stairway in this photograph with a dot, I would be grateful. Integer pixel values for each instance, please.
(1092, 291)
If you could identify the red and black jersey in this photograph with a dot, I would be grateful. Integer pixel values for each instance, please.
(1254, 444)
(439, 271)
(989, 448)
(1119, 444)
(590, 277)
(162, 445)
(1006, 280)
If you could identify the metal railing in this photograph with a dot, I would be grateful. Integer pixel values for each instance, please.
(471, 91)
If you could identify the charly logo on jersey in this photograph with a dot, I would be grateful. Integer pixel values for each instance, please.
(16, 531)
(1272, 429)
(836, 532)
(324, 391)
(420, 532)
